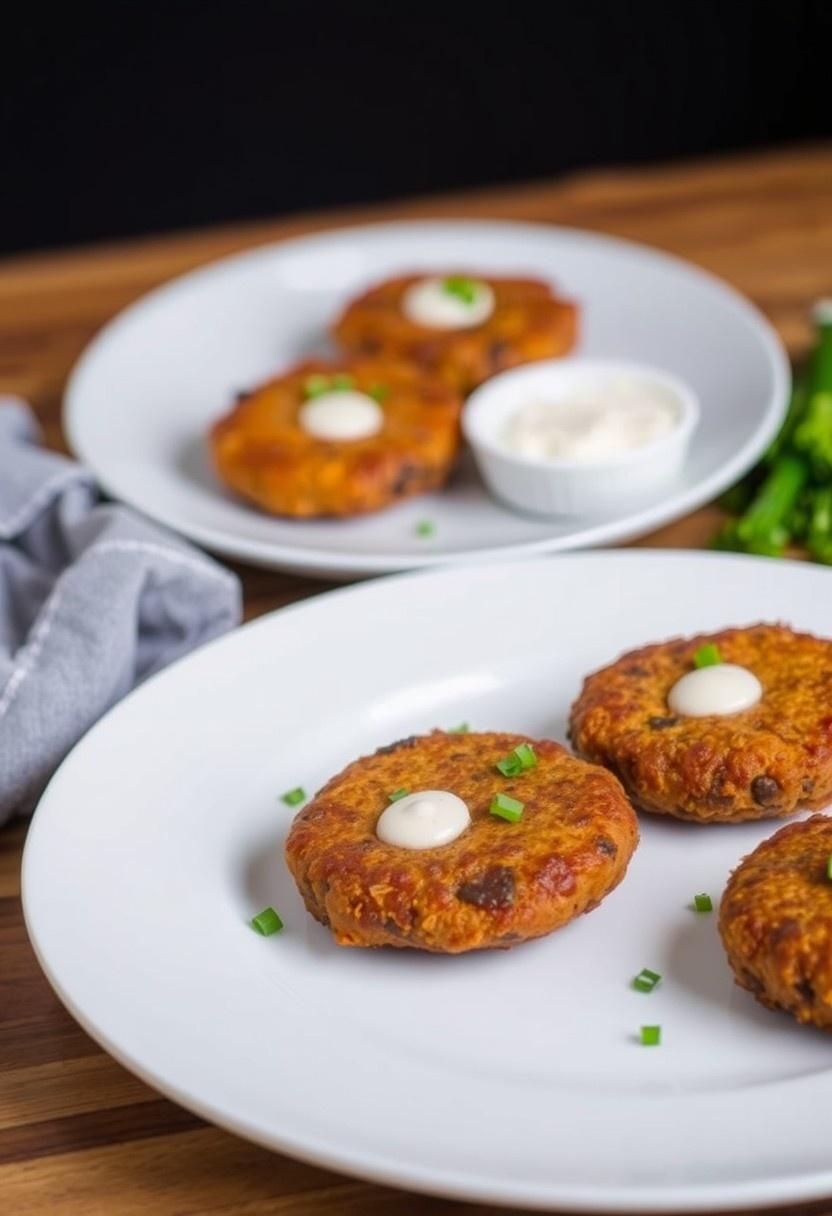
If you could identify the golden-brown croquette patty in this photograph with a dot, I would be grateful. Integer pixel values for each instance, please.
(776, 921)
(529, 322)
(498, 883)
(263, 453)
(763, 762)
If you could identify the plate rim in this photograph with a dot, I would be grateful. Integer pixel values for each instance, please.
(680, 1197)
(305, 559)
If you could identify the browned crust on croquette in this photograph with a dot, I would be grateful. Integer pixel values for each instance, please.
(528, 322)
(768, 761)
(498, 883)
(776, 921)
(262, 452)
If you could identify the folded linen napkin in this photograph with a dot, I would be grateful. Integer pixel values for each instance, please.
(93, 599)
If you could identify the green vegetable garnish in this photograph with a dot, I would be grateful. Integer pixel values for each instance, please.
(829, 867)
(267, 922)
(507, 808)
(464, 289)
(703, 903)
(787, 498)
(517, 761)
(314, 386)
(646, 980)
(707, 656)
(397, 794)
(462, 729)
(379, 392)
(343, 382)
(293, 797)
(425, 527)
(651, 1036)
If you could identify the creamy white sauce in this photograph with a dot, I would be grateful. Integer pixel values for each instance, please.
(723, 688)
(429, 303)
(343, 414)
(594, 424)
(423, 820)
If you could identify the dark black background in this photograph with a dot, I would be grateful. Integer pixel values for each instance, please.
(138, 117)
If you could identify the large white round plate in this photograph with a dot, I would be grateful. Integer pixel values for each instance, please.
(510, 1076)
(142, 397)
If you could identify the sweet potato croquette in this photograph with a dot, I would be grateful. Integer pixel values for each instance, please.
(766, 761)
(528, 322)
(776, 921)
(262, 451)
(496, 884)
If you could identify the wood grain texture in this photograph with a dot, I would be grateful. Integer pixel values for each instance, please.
(79, 1135)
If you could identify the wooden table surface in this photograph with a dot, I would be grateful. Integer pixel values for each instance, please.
(78, 1134)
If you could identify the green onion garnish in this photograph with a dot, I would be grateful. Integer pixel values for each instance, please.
(293, 797)
(314, 386)
(707, 656)
(425, 527)
(507, 808)
(703, 903)
(462, 729)
(379, 392)
(517, 761)
(646, 980)
(651, 1036)
(464, 289)
(397, 794)
(267, 922)
(343, 382)
(829, 867)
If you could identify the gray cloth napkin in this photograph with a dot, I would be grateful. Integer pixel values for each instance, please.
(93, 599)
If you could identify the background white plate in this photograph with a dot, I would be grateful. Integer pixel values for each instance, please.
(506, 1076)
(140, 400)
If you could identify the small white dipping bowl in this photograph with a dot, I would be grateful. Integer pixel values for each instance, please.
(571, 487)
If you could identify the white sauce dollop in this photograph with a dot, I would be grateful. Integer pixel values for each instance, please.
(342, 414)
(612, 419)
(423, 820)
(429, 303)
(723, 688)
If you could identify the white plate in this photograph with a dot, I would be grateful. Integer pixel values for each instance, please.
(508, 1077)
(142, 397)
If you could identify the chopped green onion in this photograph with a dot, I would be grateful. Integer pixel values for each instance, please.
(462, 729)
(829, 867)
(517, 761)
(343, 382)
(397, 794)
(293, 797)
(267, 922)
(425, 527)
(314, 386)
(507, 808)
(707, 656)
(646, 980)
(379, 392)
(651, 1036)
(703, 903)
(464, 289)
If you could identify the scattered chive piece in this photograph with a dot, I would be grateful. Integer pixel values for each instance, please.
(707, 656)
(343, 382)
(313, 386)
(425, 527)
(525, 754)
(703, 903)
(397, 794)
(517, 761)
(829, 867)
(464, 289)
(267, 922)
(379, 392)
(646, 980)
(462, 729)
(509, 766)
(293, 797)
(651, 1036)
(507, 808)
